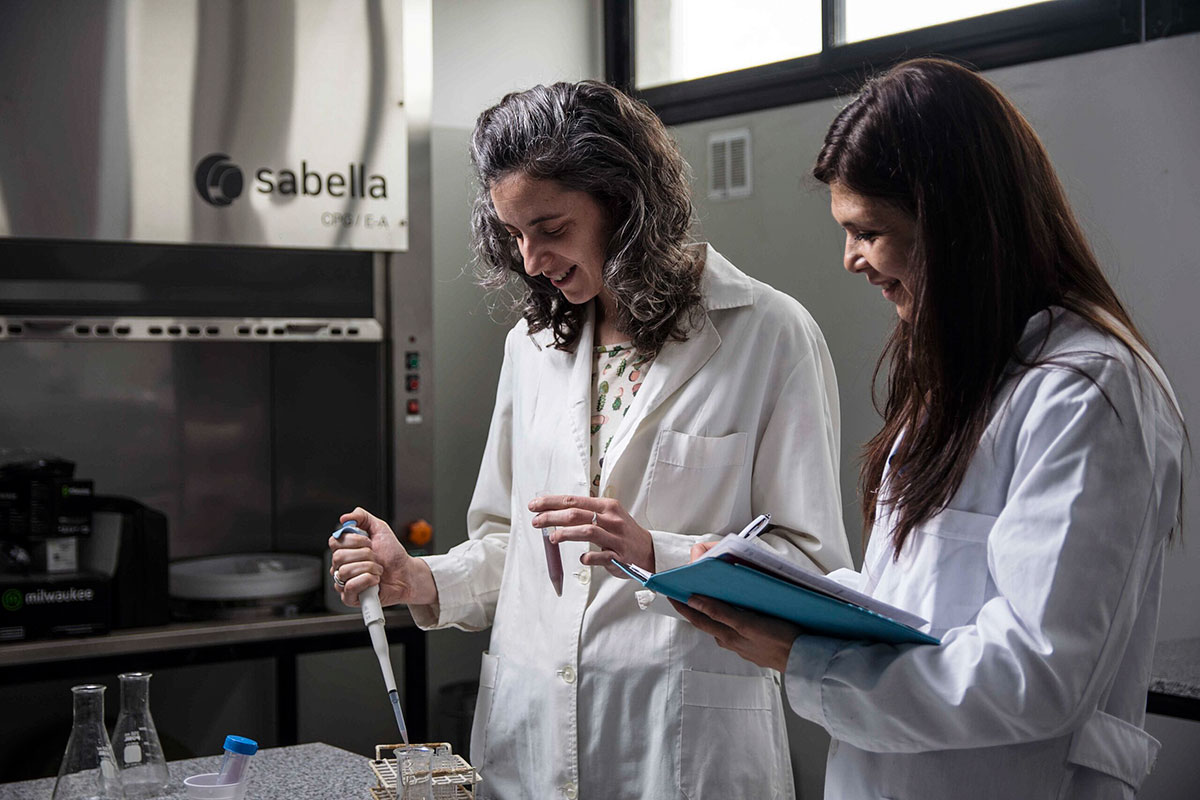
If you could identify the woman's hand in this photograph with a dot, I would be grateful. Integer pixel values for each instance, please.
(598, 520)
(700, 548)
(362, 562)
(766, 641)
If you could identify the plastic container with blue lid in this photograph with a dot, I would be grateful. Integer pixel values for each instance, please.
(238, 750)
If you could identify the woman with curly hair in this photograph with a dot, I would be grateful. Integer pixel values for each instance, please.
(651, 396)
(1022, 490)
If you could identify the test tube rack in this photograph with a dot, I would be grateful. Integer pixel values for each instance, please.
(453, 777)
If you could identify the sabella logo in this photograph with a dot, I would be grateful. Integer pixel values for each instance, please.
(219, 181)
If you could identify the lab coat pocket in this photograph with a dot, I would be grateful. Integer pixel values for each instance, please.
(1109, 753)
(695, 482)
(942, 574)
(488, 669)
(731, 720)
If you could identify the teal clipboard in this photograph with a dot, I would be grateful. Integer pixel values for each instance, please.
(746, 587)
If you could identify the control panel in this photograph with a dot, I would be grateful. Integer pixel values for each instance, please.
(412, 385)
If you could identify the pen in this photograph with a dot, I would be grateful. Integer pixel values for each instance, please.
(756, 526)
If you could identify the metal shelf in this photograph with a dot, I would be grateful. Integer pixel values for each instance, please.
(174, 329)
(194, 643)
(186, 635)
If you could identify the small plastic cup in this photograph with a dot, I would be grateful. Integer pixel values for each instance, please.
(205, 787)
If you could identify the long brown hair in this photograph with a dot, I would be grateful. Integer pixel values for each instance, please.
(593, 138)
(995, 242)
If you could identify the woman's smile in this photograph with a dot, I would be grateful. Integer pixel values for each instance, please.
(879, 241)
(561, 278)
(562, 234)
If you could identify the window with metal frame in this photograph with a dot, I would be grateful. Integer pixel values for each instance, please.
(697, 59)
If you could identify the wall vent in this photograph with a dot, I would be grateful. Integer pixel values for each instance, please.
(729, 166)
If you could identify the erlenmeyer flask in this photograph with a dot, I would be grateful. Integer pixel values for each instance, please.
(89, 769)
(135, 741)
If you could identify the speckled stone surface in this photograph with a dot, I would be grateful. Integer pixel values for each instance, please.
(1177, 668)
(303, 772)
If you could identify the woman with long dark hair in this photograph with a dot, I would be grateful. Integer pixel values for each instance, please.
(651, 396)
(1022, 489)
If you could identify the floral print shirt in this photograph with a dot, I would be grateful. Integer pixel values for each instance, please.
(617, 374)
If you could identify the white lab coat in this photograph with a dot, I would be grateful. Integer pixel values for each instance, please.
(1042, 578)
(584, 695)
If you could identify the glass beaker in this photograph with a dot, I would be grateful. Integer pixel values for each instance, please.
(414, 773)
(135, 741)
(89, 769)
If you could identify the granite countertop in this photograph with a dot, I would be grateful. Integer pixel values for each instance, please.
(1177, 668)
(319, 771)
(302, 772)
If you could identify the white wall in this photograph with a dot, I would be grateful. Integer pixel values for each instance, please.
(481, 51)
(484, 49)
(1122, 126)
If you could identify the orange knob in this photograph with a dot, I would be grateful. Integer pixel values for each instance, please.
(420, 532)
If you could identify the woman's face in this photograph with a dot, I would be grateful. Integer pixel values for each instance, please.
(879, 241)
(561, 233)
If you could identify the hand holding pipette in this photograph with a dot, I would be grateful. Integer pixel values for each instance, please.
(372, 613)
(373, 555)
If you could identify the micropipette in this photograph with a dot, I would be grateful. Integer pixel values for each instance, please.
(372, 613)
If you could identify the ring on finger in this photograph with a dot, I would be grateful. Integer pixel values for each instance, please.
(595, 516)
(338, 578)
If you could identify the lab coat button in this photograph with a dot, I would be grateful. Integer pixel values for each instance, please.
(567, 674)
(570, 792)
(585, 576)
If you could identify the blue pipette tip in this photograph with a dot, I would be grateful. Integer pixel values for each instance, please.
(394, 696)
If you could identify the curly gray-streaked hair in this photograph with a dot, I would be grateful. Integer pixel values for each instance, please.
(593, 138)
